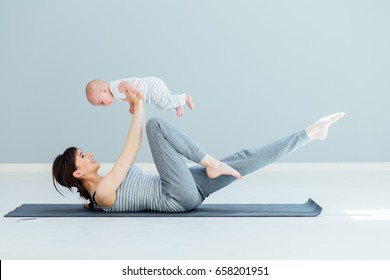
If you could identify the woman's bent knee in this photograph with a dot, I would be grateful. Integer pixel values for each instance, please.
(152, 124)
(192, 202)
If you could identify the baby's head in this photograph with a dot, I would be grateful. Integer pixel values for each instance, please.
(98, 93)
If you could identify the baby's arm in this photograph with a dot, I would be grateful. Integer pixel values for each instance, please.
(127, 86)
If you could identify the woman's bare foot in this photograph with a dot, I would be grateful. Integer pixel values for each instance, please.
(216, 168)
(189, 101)
(179, 111)
(319, 129)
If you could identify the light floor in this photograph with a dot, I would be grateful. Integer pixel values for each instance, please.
(354, 224)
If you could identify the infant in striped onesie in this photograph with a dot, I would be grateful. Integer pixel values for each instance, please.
(153, 91)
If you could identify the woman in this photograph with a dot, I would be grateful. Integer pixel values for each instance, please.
(177, 188)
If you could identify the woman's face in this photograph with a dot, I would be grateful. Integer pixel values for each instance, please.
(85, 162)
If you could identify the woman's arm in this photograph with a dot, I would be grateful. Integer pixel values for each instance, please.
(106, 189)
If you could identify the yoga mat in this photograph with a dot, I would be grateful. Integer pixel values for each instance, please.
(308, 209)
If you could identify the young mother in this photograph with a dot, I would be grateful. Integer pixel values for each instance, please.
(177, 188)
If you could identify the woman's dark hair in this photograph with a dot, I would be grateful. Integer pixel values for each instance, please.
(62, 172)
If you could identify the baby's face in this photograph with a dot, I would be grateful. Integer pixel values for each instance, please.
(102, 99)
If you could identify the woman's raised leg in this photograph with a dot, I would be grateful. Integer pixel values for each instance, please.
(250, 160)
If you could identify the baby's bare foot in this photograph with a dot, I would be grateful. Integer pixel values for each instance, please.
(189, 101)
(319, 129)
(179, 111)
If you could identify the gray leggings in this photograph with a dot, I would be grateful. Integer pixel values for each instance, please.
(190, 186)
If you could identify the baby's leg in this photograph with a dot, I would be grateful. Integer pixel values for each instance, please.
(189, 102)
(179, 111)
(161, 97)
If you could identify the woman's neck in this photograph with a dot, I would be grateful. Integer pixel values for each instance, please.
(91, 183)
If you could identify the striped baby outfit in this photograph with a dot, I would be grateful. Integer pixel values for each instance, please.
(155, 93)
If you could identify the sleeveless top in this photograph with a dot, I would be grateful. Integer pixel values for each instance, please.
(140, 192)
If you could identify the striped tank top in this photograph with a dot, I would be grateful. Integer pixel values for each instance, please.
(141, 192)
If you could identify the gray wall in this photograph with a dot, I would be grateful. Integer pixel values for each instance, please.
(257, 70)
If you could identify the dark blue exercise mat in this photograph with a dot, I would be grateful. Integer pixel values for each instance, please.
(308, 209)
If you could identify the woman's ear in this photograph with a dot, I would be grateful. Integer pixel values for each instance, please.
(78, 174)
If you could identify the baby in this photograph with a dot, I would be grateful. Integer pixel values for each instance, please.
(152, 89)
